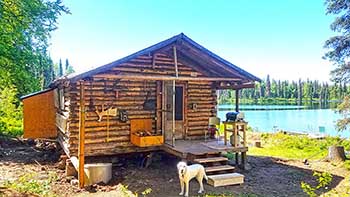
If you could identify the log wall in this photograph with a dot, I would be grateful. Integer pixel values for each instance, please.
(130, 95)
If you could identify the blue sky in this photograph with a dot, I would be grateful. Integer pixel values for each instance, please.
(281, 38)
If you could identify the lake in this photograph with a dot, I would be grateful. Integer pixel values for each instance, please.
(270, 118)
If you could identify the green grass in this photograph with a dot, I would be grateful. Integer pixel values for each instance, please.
(295, 147)
(29, 184)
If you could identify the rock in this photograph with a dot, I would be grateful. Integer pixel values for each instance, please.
(69, 178)
(61, 165)
(74, 182)
(247, 166)
(30, 142)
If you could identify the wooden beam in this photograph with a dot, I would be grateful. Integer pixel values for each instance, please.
(81, 136)
(173, 123)
(211, 62)
(159, 107)
(237, 100)
(234, 86)
(164, 77)
(76, 163)
(196, 64)
(174, 91)
(154, 57)
(191, 63)
(175, 62)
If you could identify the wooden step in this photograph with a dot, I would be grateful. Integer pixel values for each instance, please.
(225, 179)
(210, 159)
(219, 168)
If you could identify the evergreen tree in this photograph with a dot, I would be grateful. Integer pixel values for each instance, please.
(300, 93)
(68, 68)
(60, 69)
(268, 86)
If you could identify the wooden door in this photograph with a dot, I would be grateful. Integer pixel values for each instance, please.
(168, 111)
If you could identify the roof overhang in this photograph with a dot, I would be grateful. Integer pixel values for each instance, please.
(189, 53)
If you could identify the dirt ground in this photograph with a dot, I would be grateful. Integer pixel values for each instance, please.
(265, 176)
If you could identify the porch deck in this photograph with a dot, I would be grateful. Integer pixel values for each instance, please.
(187, 149)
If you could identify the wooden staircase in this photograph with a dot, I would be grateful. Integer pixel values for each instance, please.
(218, 171)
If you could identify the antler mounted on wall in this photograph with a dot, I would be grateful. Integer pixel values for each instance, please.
(108, 112)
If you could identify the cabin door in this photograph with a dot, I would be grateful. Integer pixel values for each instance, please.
(168, 107)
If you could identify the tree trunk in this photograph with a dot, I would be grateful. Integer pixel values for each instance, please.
(336, 153)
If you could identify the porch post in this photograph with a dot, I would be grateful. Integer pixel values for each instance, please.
(237, 99)
(174, 91)
(173, 130)
(81, 147)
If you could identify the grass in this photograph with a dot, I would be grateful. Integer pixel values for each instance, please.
(296, 147)
(29, 184)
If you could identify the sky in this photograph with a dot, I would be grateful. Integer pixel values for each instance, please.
(281, 38)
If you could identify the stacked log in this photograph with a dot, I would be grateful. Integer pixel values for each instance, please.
(130, 95)
(204, 97)
(109, 134)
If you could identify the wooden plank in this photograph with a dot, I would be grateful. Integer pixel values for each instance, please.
(61, 122)
(76, 164)
(159, 107)
(219, 168)
(164, 78)
(210, 159)
(81, 137)
(185, 109)
(225, 179)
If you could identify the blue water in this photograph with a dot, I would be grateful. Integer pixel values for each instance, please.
(293, 118)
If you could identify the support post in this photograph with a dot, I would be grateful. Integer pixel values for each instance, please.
(175, 62)
(237, 99)
(174, 93)
(173, 131)
(243, 159)
(81, 136)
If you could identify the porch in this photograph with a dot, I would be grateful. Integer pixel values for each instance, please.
(190, 150)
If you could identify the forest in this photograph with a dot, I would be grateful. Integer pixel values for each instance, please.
(283, 92)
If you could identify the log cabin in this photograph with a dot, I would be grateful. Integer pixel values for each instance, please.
(159, 98)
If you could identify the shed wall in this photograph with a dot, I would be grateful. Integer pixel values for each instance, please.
(39, 116)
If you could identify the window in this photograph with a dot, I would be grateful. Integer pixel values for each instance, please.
(179, 103)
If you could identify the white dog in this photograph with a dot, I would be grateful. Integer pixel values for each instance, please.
(186, 173)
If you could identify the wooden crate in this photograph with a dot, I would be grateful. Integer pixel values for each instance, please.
(144, 141)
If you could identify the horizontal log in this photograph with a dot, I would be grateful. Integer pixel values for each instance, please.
(205, 110)
(114, 151)
(150, 66)
(199, 114)
(164, 78)
(199, 90)
(197, 118)
(196, 132)
(160, 71)
(102, 134)
(105, 145)
(101, 128)
(88, 141)
(200, 127)
(199, 83)
(198, 123)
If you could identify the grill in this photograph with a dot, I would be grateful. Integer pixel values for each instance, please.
(234, 116)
